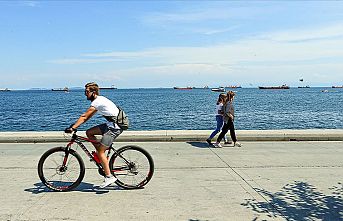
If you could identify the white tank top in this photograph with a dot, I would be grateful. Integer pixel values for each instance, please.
(219, 108)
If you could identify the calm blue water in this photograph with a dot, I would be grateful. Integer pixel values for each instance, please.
(167, 109)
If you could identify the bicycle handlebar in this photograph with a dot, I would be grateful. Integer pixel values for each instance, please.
(70, 129)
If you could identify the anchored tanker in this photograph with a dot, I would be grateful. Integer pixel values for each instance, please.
(276, 87)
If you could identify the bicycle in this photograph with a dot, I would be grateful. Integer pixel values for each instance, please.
(62, 168)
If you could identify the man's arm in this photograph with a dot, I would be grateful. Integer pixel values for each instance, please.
(84, 117)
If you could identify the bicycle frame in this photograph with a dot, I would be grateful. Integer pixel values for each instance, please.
(78, 140)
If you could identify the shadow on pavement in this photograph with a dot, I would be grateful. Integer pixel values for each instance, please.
(300, 201)
(83, 187)
(206, 145)
(198, 220)
(199, 144)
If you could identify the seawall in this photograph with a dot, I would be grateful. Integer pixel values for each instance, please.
(182, 135)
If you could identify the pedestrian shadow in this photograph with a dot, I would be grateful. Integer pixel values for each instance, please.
(83, 187)
(206, 145)
(300, 201)
(199, 144)
(198, 220)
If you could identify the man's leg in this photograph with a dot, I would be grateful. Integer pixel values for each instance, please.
(91, 134)
(103, 159)
(99, 148)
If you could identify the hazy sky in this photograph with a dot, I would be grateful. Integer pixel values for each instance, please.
(134, 44)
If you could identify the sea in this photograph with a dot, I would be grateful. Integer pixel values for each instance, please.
(171, 109)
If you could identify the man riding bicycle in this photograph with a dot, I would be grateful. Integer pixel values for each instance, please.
(109, 131)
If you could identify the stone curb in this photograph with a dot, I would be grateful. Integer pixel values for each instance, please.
(182, 135)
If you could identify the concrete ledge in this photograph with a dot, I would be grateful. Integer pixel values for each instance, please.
(182, 135)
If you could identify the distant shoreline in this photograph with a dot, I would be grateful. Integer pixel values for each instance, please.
(140, 88)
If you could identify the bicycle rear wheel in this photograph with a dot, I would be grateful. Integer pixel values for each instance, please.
(133, 166)
(57, 176)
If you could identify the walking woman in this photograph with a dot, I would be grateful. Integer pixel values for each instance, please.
(229, 116)
(219, 118)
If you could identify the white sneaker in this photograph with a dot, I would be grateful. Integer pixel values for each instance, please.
(108, 181)
(238, 144)
(216, 144)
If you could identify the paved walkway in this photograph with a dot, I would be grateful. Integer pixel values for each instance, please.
(259, 181)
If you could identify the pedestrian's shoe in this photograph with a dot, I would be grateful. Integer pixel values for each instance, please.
(228, 142)
(237, 144)
(108, 181)
(209, 142)
(217, 144)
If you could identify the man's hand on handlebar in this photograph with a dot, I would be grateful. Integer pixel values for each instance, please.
(70, 130)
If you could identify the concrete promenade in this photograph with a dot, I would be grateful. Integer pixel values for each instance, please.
(262, 180)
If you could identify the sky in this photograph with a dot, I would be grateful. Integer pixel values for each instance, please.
(149, 44)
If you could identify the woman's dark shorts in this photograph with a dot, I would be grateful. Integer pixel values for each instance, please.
(109, 134)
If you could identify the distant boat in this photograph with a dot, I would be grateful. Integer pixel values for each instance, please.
(5, 89)
(276, 87)
(304, 87)
(219, 89)
(337, 86)
(205, 87)
(108, 88)
(183, 88)
(234, 86)
(65, 89)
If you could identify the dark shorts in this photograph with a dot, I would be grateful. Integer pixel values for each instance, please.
(109, 134)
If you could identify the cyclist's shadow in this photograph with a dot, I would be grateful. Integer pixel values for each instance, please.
(83, 187)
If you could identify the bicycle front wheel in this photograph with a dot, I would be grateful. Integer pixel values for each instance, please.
(61, 173)
(133, 166)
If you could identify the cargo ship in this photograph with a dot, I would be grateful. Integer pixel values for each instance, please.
(205, 87)
(276, 87)
(65, 89)
(5, 89)
(183, 88)
(337, 86)
(234, 86)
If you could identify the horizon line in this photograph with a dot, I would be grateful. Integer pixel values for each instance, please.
(171, 87)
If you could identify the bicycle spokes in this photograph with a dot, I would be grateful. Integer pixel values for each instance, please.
(59, 172)
(132, 166)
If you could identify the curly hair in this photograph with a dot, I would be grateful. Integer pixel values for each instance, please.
(92, 87)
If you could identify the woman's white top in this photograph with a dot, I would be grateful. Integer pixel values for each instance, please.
(219, 109)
